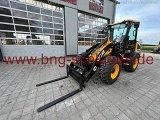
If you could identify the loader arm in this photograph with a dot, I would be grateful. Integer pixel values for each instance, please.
(103, 49)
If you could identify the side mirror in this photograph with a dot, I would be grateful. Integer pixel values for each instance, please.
(136, 25)
(94, 41)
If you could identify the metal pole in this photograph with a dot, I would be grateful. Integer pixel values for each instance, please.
(1, 56)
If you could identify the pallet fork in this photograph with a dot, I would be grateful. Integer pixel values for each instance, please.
(79, 77)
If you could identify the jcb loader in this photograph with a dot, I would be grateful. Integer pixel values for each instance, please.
(157, 49)
(118, 50)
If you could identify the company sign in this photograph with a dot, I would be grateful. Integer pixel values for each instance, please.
(96, 5)
(74, 2)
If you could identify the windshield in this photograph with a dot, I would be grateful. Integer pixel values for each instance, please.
(117, 32)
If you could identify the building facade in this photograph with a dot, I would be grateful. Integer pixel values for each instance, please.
(53, 27)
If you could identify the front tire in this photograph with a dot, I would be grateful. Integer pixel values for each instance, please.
(110, 71)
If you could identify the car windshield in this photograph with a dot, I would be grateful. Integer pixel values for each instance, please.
(117, 31)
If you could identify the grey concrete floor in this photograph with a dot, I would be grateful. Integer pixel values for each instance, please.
(134, 96)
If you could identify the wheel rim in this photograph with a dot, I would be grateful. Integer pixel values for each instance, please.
(115, 71)
(135, 63)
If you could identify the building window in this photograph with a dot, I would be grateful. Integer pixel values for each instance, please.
(7, 38)
(35, 23)
(22, 38)
(18, 5)
(31, 22)
(6, 27)
(33, 9)
(59, 42)
(34, 16)
(57, 14)
(58, 37)
(48, 31)
(5, 11)
(47, 18)
(22, 28)
(6, 19)
(4, 3)
(90, 29)
(57, 20)
(21, 14)
(47, 25)
(58, 26)
(46, 12)
(20, 21)
(36, 30)
(60, 32)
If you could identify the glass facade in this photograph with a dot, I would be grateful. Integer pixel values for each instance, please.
(90, 29)
(30, 22)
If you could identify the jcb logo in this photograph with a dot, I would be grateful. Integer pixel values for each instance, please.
(100, 55)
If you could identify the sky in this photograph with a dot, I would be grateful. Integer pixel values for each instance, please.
(145, 11)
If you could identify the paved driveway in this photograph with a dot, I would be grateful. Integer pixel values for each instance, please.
(133, 96)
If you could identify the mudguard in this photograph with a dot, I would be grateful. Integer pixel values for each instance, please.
(131, 56)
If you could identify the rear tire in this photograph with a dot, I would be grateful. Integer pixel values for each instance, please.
(132, 65)
(110, 71)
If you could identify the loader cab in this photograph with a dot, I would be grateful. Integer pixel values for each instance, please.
(131, 39)
(123, 36)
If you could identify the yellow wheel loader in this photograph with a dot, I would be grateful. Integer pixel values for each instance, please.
(157, 49)
(118, 50)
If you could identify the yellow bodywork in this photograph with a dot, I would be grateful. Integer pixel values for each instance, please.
(138, 48)
(158, 46)
(94, 56)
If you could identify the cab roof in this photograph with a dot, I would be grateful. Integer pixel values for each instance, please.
(129, 20)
